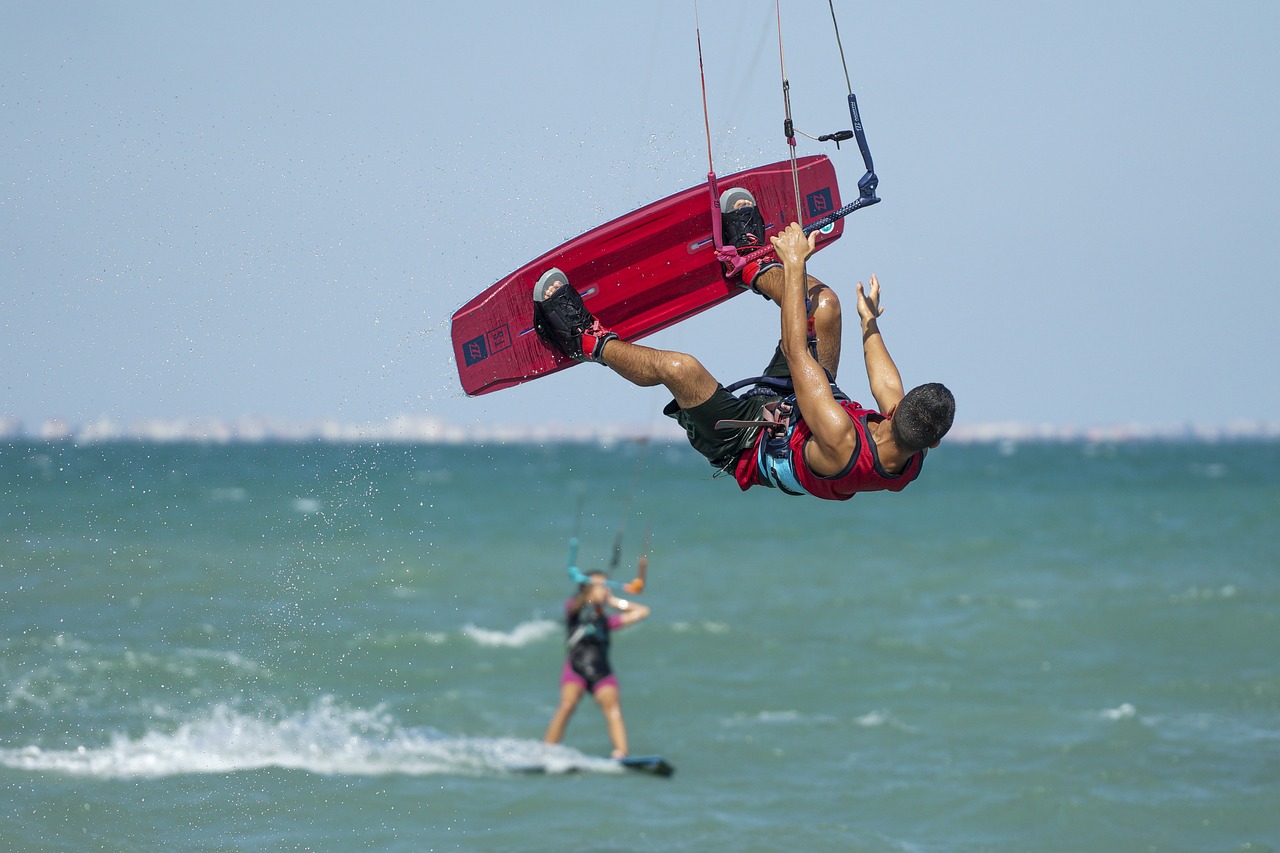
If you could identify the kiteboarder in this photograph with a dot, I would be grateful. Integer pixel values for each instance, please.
(589, 622)
(796, 431)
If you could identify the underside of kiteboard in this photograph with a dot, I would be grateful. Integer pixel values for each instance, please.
(638, 274)
(654, 765)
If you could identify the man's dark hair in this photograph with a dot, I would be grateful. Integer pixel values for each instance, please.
(923, 417)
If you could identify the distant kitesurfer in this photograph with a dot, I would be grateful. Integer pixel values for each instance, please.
(586, 668)
(808, 438)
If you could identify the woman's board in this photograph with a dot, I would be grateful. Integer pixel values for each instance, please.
(654, 765)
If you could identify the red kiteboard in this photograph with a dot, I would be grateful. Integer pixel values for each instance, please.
(638, 274)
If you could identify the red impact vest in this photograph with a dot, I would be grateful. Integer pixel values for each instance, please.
(863, 474)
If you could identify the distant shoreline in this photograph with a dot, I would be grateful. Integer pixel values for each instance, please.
(422, 429)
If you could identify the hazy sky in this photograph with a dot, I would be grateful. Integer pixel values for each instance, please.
(216, 209)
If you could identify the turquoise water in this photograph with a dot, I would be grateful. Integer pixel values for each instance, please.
(317, 647)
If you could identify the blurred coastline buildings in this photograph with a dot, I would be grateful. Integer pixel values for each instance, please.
(425, 429)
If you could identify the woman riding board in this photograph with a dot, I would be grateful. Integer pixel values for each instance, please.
(590, 616)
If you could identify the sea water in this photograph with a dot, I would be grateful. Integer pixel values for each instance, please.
(321, 647)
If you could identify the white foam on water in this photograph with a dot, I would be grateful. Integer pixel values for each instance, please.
(872, 719)
(306, 506)
(69, 671)
(708, 627)
(230, 494)
(521, 635)
(778, 716)
(1124, 711)
(326, 739)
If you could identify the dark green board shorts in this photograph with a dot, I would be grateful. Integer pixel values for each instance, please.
(723, 446)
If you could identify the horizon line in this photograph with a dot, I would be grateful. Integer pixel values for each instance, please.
(427, 429)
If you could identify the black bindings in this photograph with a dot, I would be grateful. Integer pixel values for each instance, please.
(562, 320)
(743, 228)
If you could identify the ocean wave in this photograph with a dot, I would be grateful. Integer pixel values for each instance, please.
(1123, 711)
(62, 670)
(230, 494)
(521, 635)
(1205, 594)
(306, 506)
(873, 720)
(327, 739)
(707, 627)
(869, 720)
(1251, 730)
(402, 638)
(783, 717)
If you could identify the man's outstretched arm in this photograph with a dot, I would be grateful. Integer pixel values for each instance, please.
(882, 373)
(834, 437)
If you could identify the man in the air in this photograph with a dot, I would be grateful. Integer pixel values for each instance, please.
(813, 440)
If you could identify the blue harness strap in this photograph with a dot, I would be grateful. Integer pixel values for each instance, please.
(773, 455)
(778, 420)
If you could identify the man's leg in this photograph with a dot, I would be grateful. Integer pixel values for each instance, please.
(689, 382)
(746, 232)
(824, 308)
(578, 334)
